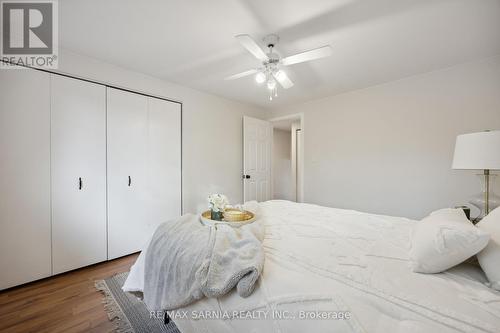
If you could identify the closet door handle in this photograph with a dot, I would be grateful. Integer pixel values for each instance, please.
(80, 183)
(129, 181)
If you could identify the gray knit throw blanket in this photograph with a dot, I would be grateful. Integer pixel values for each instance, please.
(186, 261)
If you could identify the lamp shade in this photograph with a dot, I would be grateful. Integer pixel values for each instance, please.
(477, 151)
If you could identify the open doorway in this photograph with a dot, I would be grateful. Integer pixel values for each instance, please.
(287, 158)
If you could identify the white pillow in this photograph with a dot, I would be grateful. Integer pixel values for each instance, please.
(444, 239)
(489, 257)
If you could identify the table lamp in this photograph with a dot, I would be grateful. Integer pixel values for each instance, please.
(479, 151)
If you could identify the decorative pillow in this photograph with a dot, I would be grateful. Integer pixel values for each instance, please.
(489, 257)
(444, 239)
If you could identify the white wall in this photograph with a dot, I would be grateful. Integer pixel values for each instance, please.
(211, 128)
(388, 149)
(282, 165)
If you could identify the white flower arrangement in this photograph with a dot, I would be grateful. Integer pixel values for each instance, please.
(217, 202)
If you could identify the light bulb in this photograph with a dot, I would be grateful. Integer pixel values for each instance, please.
(260, 77)
(271, 84)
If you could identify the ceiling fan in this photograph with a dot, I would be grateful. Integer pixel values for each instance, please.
(271, 71)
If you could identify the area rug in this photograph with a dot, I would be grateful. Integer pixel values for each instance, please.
(127, 311)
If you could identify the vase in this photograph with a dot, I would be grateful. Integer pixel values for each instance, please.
(216, 216)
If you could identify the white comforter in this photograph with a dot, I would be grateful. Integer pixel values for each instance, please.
(333, 262)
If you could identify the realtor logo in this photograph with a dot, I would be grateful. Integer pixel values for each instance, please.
(29, 33)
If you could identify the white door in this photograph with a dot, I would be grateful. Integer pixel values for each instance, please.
(127, 172)
(164, 161)
(24, 176)
(78, 163)
(144, 168)
(257, 140)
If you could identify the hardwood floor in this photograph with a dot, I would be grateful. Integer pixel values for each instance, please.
(64, 303)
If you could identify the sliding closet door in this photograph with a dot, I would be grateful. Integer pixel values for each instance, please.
(78, 159)
(24, 176)
(164, 166)
(127, 172)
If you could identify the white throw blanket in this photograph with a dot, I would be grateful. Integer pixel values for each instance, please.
(186, 261)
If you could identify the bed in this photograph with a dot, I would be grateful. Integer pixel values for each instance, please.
(335, 270)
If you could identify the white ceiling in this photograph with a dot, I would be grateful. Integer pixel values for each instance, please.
(191, 41)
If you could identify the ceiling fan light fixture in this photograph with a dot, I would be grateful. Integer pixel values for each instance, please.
(271, 84)
(270, 71)
(260, 78)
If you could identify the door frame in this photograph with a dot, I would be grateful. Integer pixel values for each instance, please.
(299, 176)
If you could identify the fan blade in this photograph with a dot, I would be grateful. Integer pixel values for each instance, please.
(283, 79)
(320, 52)
(242, 74)
(248, 43)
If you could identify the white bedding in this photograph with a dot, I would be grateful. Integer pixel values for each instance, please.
(334, 260)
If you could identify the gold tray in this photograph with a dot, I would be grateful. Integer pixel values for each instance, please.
(233, 217)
